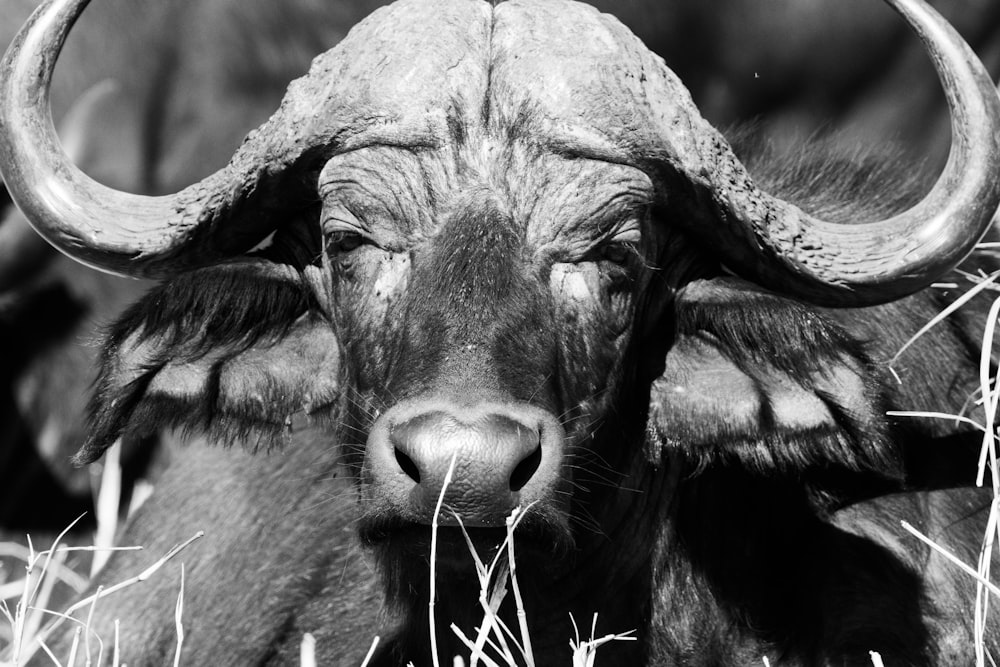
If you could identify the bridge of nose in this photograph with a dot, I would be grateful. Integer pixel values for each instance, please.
(473, 352)
(475, 309)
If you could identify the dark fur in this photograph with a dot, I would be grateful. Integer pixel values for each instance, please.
(760, 330)
(215, 308)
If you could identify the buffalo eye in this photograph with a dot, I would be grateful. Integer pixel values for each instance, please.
(344, 231)
(618, 253)
(345, 241)
(621, 247)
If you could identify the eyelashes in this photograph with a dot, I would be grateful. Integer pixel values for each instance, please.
(341, 242)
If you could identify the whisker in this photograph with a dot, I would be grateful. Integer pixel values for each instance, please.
(587, 523)
(350, 427)
(541, 384)
(330, 499)
(600, 480)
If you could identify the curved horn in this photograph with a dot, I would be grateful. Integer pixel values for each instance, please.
(270, 178)
(882, 260)
(111, 230)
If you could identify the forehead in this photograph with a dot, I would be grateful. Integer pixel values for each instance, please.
(572, 78)
(541, 102)
(394, 192)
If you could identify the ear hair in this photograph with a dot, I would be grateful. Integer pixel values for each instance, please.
(232, 350)
(772, 384)
(218, 306)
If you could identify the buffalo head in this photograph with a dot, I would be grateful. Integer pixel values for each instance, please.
(458, 246)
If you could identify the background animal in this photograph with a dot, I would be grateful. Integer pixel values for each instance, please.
(828, 371)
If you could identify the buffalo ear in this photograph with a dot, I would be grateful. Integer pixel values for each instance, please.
(770, 384)
(232, 351)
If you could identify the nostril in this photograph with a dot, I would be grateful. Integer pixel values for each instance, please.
(525, 469)
(407, 465)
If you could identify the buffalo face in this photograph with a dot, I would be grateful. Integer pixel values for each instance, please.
(485, 318)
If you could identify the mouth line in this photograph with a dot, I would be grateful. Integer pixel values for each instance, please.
(397, 537)
(375, 532)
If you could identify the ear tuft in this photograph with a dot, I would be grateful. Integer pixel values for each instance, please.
(233, 351)
(770, 383)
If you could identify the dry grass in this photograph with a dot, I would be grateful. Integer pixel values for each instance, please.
(494, 644)
(984, 404)
(27, 632)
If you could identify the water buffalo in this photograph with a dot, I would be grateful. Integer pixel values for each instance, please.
(500, 240)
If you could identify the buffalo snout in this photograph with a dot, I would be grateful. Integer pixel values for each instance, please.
(505, 456)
